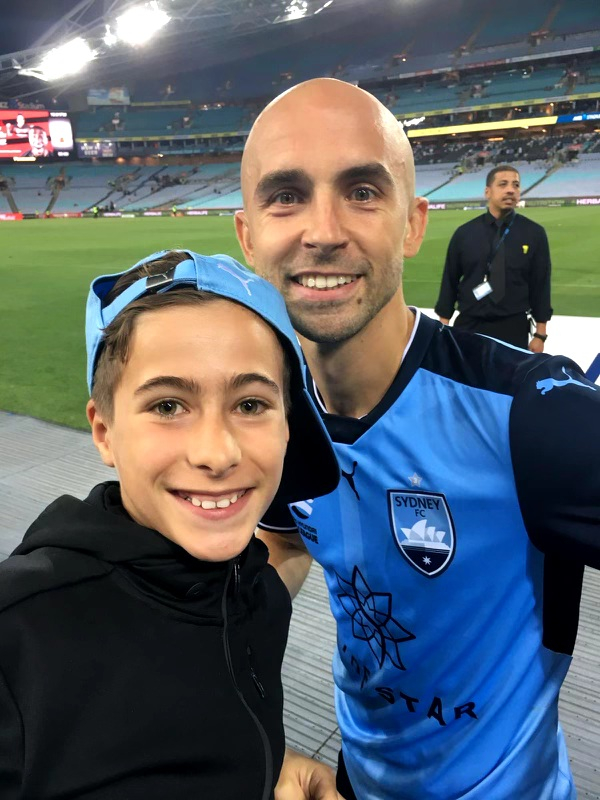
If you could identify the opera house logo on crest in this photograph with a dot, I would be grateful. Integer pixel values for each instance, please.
(423, 529)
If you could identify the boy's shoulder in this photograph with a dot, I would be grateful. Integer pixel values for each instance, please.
(43, 570)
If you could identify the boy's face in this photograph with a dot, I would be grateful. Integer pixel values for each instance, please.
(199, 430)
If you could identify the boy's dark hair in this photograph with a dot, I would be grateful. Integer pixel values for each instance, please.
(500, 168)
(117, 336)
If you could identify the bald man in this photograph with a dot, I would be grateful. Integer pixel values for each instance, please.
(454, 547)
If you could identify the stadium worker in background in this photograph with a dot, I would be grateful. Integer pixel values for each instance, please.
(498, 269)
(455, 544)
(141, 630)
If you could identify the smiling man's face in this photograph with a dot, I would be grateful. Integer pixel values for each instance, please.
(198, 431)
(329, 210)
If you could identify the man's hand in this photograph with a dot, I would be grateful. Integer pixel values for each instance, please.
(444, 321)
(536, 345)
(303, 778)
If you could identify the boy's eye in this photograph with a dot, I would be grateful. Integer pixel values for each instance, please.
(251, 406)
(167, 408)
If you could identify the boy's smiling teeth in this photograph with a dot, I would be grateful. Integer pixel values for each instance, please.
(222, 502)
(325, 281)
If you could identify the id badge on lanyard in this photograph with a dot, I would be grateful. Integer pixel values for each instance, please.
(484, 288)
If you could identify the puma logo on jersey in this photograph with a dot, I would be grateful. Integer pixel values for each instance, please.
(350, 478)
(547, 384)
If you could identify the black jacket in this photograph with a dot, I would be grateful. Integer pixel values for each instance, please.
(527, 260)
(130, 670)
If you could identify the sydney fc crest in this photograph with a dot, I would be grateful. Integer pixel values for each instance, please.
(423, 529)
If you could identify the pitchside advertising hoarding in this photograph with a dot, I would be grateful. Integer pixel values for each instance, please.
(35, 134)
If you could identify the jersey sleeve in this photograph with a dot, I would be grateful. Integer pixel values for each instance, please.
(278, 519)
(554, 431)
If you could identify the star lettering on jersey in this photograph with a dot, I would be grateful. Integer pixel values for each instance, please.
(372, 620)
(426, 560)
(415, 480)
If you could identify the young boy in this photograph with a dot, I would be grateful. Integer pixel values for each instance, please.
(141, 630)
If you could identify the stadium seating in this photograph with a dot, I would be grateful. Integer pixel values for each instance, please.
(30, 185)
(431, 177)
(201, 182)
(580, 179)
(471, 186)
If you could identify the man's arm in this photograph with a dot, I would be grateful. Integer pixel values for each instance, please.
(304, 778)
(444, 307)
(289, 556)
(539, 290)
(555, 447)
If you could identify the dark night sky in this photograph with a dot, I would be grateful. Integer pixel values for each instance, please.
(23, 21)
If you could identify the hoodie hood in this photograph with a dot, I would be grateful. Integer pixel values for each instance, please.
(99, 528)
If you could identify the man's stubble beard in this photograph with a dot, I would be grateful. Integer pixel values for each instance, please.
(328, 324)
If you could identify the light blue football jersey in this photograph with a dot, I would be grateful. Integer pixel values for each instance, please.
(444, 554)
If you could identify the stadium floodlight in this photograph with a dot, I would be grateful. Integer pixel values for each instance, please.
(110, 38)
(60, 62)
(139, 23)
(296, 9)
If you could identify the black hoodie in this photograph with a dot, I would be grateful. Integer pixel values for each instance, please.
(130, 670)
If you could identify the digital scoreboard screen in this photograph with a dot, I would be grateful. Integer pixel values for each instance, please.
(35, 134)
(99, 149)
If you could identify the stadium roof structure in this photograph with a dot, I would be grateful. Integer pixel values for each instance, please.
(191, 23)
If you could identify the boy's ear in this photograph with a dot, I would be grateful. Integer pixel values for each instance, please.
(100, 433)
(243, 235)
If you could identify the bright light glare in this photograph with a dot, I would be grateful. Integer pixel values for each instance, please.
(139, 24)
(68, 59)
(296, 9)
(109, 37)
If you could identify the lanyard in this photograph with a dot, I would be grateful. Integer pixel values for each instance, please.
(495, 249)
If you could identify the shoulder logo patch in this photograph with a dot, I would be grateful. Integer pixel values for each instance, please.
(423, 529)
(547, 384)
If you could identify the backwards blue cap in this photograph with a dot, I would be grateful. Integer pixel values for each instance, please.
(310, 467)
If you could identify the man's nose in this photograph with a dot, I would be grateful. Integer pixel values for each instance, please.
(325, 229)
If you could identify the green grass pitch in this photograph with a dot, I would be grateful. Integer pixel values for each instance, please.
(46, 267)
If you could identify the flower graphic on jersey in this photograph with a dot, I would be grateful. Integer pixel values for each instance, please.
(372, 621)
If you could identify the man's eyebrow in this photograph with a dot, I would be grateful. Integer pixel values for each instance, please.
(168, 382)
(280, 179)
(370, 173)
(246, 378)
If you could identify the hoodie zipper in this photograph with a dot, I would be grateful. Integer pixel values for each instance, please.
(234, 573)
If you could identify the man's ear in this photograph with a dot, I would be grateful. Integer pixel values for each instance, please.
(243, 234)
(415, 227)
(100, 433)
(487, 192)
